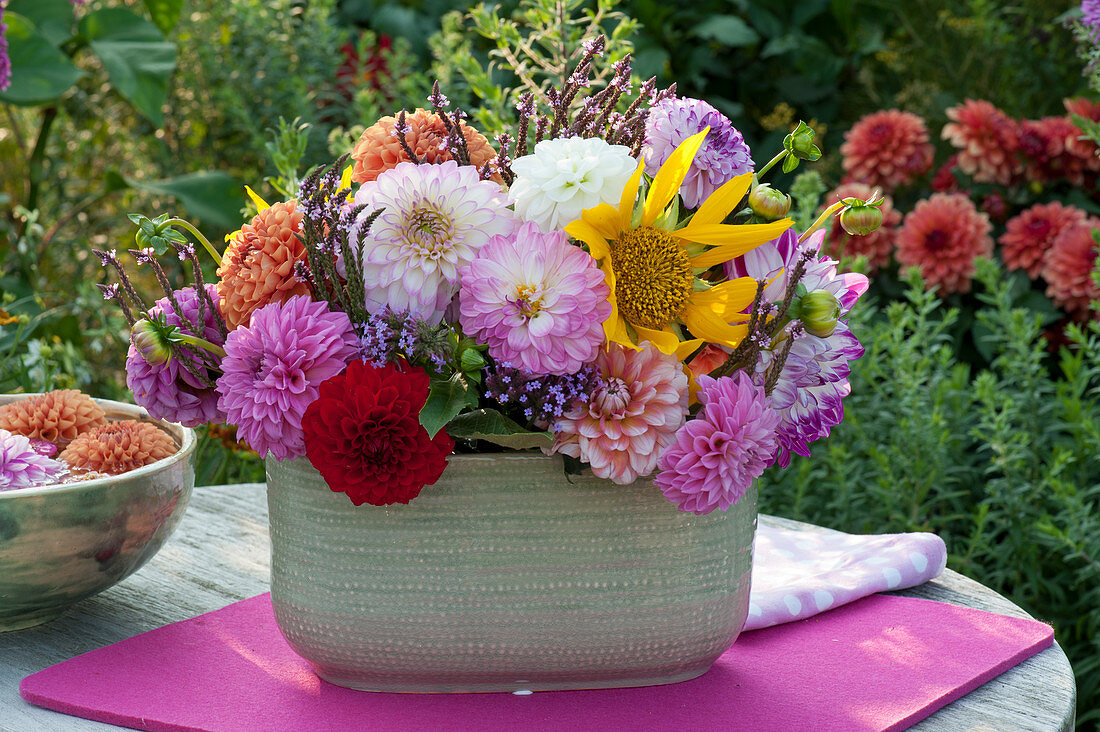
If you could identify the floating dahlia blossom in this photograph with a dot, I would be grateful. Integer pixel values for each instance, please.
(722, 156)
(888, 149)
(536, 301)
(119, 447)
(1030, 235)
(541, 398)
(258, 266)
(564, 176)
(58, 416)
(943, 235)
(363, 434)
(1067, 269)
(878, 246)
(272, 369)
(635, 409)
(21, 466)
(987, 140)
(379, 148)
(435, 220)
(168, 390)
(718, 454)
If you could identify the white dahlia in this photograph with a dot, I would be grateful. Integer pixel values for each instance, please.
(435, 219)
(567, 175)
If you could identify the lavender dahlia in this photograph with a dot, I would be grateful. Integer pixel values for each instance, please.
(21, 466)
(273, 367)
(536, 301)
(723, 156)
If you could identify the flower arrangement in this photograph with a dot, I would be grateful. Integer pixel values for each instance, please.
(610, 282)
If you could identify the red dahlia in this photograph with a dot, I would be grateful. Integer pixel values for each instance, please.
(363, 434)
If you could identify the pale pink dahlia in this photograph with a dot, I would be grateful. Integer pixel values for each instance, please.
(21, 466)
(943, 235)
(877, 246)
(1067, 269)
(435, 219)
(536, 301)
(1029, 235)
(636, 407)
(987, 140)
(888, 148)
(718, 454)
(273, 367)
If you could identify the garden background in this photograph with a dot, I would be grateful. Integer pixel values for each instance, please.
(974, 413)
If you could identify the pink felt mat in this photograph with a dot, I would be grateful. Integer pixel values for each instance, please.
(880, 663)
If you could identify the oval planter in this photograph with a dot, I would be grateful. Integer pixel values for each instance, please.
(504, 576)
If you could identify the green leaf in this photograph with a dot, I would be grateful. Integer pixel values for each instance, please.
(165, 13)
(446, 398)
(212, 196)
(52, 18)
(492, 426)
(39, 72)
(137, 58)
(729, 30)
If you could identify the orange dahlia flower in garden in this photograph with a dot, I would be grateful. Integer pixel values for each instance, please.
(877, 246)
(987, 140)
(1030, 235)
(1067, 269)
(888, 149)
(942, 236)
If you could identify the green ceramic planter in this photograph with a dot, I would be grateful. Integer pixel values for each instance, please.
(61, 544)
(505, 576)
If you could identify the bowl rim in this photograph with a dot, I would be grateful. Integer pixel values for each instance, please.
(184, 435)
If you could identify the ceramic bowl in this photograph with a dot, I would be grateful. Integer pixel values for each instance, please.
(62, 544)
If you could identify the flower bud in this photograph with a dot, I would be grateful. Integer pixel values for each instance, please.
(819, 310)
(768, 203)
(800, 143)
(151, 342)
(860, 219)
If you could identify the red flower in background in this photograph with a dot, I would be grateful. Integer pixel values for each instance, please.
(944, 181)
(887, 148)
(1067, 268)
(1044, 144)
(987, 140)
(356, 72)
(363, 434)
(943, 235)
(876, 246)
(1084, 149)
(1030, 235)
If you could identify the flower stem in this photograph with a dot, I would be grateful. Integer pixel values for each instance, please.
(821, 220)
(768, 166)
(202, 343)
(198, 235)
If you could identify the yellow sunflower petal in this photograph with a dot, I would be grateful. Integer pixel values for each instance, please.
(629, 195)
(719, 204)
(728, 300)
(586, 232)
(604, 219)
(686, 348)
(703, 323)
(345, 177)
(665, 340)
(261, 204)
(729, 241)
(670, 177)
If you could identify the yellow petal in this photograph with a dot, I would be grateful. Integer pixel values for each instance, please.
(706, 325)
(686, 348)
(665, 340)
(728, 300)
(586, 232)
(629, 195)
(604, 219)
(345, 178)
(261, 204)
(670, 177)
(719, 204)
(729, 241)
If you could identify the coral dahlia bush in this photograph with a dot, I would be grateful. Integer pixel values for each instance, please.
(942, 236)
(888, 149)
(987, 140)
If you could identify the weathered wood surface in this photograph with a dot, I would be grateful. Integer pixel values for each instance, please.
(219, 555)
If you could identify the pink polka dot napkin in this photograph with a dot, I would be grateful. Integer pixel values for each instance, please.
(797, 574)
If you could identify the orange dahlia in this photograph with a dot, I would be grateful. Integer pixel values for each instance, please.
(119, 447)
(258, 266)
(887, 149)
(1029, 235)
(1067, 268)
(56, 416)
(379, 149)
(876, 246)
(943, 235)
(987, 140)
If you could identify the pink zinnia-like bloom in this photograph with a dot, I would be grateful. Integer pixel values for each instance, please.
(1029, 235)
(633, 414)
(722, 157)
(21, 466)
(536, 301)
(1083, 148)
(987, 140)
(876, 246)
(888, 149)
(718, 454)
(943, 235)
(1044, 143)
(167, 390)
(1067, 269)
(273, 367)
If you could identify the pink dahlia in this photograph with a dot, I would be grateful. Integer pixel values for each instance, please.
(536, 301)
(273, 366)
(1077, 145)
(718, 454)
(943, 235)
(639, 402)
(1044, 144)
(1029, 236)
(1067, 269)
(21, 466)
(888, 149)
(722, 157)
(987, 140)
(167, 390)
(876, 246)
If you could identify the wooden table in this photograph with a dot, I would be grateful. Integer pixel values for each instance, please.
(220, 554)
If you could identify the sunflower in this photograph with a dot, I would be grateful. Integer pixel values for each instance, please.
(651, 260)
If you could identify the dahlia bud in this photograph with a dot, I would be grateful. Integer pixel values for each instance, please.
(799, 145)
(860, 218)
(768, 203)
(151, 342)
(819, 310)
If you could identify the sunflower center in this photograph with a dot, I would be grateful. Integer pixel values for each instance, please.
(428, 230)
(653, 277)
